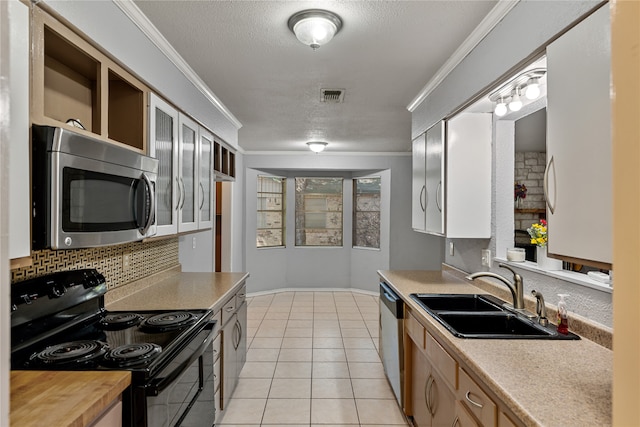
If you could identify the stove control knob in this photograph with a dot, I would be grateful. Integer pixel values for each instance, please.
(57, 290)
(68, 241)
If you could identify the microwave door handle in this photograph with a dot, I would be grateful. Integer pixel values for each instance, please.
(152, 202)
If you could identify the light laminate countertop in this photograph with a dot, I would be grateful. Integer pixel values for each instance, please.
(181, 291)
(543, 382)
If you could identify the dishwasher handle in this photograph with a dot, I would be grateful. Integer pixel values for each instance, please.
(391, 300)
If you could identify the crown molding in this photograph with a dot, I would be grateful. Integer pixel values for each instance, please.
(142, 22)
(489, 22)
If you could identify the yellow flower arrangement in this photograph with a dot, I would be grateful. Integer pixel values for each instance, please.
(538, 233)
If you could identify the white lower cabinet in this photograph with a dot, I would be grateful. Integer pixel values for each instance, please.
(234, 345)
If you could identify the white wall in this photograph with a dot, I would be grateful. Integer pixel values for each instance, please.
(524, 32)
(344, 267)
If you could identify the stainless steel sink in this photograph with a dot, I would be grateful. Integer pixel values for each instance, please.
(484, 316)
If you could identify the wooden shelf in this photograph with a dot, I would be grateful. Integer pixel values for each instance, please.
(535, 211)
(73, 79)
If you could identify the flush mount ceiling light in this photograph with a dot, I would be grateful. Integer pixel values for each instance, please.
(509, 94)
(317, 146)
(315, 27)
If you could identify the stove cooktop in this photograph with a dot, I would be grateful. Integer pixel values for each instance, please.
(112, 340)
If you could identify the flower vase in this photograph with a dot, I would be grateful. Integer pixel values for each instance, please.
(546, 263)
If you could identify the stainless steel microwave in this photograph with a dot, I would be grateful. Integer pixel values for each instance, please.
(87, 192)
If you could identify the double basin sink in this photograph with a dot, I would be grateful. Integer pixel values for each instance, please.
(484, 316)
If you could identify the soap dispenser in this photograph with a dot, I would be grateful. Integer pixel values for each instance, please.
(563, 316)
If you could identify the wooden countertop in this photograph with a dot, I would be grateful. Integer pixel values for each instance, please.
(63, 399)
(545, 383)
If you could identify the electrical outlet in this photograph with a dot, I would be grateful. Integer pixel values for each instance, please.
(126, 262)
(486, 258)
(451, 252)
(193, 243)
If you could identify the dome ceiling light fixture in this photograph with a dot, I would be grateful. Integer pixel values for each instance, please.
(317, 146)
(315, 27)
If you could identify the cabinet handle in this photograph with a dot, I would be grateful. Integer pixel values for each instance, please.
(456, 422)
(179, 192)
(202, 191)
(433, 398)
(438, 192)
(550, 165)
(229, 309)
(422, 206)
(184, 193)
(427, 394)
(474, 403)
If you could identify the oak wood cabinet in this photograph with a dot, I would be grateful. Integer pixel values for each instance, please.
(432, 379)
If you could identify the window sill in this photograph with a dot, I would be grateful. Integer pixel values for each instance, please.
(569, 276)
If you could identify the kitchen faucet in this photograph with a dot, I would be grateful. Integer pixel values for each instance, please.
(516, 288)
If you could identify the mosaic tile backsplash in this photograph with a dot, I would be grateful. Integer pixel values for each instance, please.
(145, 259)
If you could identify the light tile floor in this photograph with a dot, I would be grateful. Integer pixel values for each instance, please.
(312, 360)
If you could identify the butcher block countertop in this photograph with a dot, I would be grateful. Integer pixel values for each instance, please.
(63, 399)
(543, 382)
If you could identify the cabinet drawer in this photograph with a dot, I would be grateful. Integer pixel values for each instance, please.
(415, 330)
(241, 295)
(216, 348)
(228, 309)
(463, 417)
(504, 421)
(477, 401)
(443, 362)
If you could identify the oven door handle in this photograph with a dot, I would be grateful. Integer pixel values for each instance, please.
(155, 387)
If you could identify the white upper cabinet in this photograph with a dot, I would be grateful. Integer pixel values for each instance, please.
(452, 178)
(468, 176)
(163, 138)
(185, 153)
(188, 176)
(418, 184)
(428, 181)
(579, 175)
(435, 183)
(18, 131)
(205, 179)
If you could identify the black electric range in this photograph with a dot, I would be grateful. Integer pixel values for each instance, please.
(58, 322)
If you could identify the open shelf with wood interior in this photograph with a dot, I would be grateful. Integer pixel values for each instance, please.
(72, 80)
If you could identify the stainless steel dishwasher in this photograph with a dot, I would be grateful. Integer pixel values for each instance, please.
(391, 347)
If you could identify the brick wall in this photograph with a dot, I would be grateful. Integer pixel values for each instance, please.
(529, 170)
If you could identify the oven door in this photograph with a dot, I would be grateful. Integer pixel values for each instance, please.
(95, 203)
(183, 393)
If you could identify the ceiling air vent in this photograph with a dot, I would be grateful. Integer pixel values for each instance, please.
(334, 96)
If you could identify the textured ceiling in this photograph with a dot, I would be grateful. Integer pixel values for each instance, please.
(384, 55)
